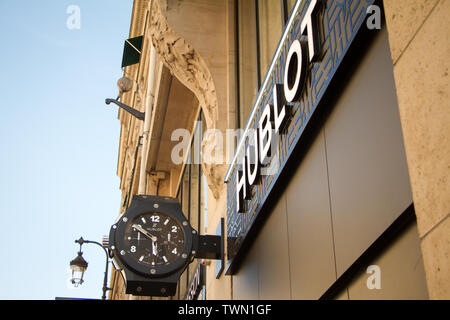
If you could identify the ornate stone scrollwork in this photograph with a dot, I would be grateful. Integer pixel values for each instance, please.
(186, 64)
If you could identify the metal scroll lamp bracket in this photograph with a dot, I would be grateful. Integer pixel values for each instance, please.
(139, 115)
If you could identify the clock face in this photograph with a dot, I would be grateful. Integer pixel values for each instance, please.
(153, 240)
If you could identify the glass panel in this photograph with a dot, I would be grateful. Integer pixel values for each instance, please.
(203, 123)
(247, 58)
(194, 210)
(203, 202)
(179, 194)
(290, 6)
(182, 285)
(202, 129)
(196, 143)
(191, 194)
(194, 196)
(185, 191)
(177, 293)
(270, 30)
(195, 175)
(202, 189)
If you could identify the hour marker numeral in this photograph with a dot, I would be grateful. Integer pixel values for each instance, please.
(155, 218)
(174, 228)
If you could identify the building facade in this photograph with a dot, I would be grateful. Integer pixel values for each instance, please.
(317, 130)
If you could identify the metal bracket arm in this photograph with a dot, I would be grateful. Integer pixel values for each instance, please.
(134, 112)
(209, 247)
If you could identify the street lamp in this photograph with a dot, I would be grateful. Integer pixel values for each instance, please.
(79, 266)
(125, 84)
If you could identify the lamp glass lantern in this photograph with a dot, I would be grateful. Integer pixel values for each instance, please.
(78, 267)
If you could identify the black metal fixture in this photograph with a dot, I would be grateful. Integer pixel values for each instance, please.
(79, 266)
(133, 112)
(153, 243)
(125, 84)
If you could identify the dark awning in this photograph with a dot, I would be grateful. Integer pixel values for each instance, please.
(132, 51)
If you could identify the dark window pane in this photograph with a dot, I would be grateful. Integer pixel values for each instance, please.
(270, 30)
(247, 58)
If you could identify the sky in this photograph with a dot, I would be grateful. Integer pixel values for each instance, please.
(59, 141)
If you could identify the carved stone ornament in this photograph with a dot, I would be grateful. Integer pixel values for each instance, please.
(186, 64)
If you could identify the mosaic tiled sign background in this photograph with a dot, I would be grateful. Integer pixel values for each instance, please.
(339, 22)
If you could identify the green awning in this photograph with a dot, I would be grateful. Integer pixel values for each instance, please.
(132, 51)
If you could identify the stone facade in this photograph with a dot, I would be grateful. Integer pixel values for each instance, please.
(419, 35)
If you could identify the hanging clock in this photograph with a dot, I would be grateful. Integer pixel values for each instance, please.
(152, 243)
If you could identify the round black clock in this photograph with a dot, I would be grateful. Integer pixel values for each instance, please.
(153, 238)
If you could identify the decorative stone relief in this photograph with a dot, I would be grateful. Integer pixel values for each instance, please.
(189, 67)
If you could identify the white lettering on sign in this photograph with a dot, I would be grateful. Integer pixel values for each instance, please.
(265, 135)
(251, 158)
(275, 116)
(309, 28)
(295, 71)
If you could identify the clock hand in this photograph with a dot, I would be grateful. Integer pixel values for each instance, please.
(144, 232)
(154, 248)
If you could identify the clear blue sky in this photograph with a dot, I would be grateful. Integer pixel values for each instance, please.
(59, 142)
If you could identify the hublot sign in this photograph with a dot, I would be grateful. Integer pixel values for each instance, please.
(311, 50)
(275, 116)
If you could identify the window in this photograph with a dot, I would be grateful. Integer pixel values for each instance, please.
(246, 67)
(191, 194)
(290, 5)
(270, 29)
(259, 26)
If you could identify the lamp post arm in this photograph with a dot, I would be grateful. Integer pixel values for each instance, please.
(134, 112)
(105, 279)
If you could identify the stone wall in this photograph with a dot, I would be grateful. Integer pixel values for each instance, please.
(419, 35)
